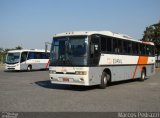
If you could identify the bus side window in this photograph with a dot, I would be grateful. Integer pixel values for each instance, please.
(106, 44)
(46, 55)
(119, 45)
(38, 55)
(139, 51)
(31, 55)
(142, 49)
(137, 48)
(152, 50)
(125, 47)
(115, 46)
(24, 56)
(130, 47)
(43, 55)
(134, 48)
(148, 50)
(109, 44)
(103, 44)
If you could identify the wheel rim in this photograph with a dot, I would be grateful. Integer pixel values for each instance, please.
(143, 75)
(29, 68)
(105, 80)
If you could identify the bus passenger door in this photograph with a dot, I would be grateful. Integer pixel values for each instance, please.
(94, 50)
(23, 64)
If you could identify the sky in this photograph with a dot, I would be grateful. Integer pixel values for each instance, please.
(31, 23)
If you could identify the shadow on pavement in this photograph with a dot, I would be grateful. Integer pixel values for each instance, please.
(19, 71)
(49, 85)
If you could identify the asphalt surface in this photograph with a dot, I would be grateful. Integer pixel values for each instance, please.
(32, 92)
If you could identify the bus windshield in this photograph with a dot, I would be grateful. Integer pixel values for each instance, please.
(13, 58)
(69, 51)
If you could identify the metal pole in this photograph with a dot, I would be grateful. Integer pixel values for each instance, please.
(46, 46)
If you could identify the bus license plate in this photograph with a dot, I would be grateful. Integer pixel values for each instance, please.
(66, 79)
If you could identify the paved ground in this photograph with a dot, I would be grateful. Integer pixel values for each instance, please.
(32, 91)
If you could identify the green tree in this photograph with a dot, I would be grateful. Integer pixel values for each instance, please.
(18, 48)
(152, 34)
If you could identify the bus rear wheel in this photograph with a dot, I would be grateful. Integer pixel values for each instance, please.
(29, 68)
(104, 80)
(143, 75)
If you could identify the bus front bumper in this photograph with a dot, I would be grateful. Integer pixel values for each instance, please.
(12, 67)
(69, 79)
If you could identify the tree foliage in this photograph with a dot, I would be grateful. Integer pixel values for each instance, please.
(18, 48)
(152, 34)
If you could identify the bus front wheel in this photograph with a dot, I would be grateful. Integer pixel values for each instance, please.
(104, 80)
(29, 68)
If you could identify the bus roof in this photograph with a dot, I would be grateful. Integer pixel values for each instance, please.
(30, 50)
(106, 33)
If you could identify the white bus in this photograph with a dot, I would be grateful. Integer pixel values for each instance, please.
(27, 60)
(98, 57)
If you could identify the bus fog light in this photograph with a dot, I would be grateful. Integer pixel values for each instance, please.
(51, 78)
(81, 73)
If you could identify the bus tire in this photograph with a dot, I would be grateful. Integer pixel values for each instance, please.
(29, 68)
(104, 80)
(143, 75)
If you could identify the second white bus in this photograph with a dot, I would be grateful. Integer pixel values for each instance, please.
(27, 60)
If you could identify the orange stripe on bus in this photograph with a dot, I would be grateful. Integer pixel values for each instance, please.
(141, 60)
(136, 68)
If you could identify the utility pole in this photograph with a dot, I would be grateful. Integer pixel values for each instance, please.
(46, 46)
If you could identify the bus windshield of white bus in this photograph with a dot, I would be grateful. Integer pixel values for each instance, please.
(69, 51)
(13, 58)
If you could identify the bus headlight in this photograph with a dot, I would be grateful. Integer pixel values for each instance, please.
(17, 64)
(81, 73)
